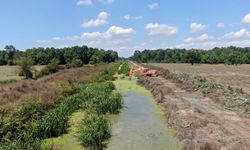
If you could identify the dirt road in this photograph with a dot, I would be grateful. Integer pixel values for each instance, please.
(200, 122)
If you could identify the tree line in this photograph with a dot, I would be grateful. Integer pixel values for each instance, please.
(43, 56)
(224, 55)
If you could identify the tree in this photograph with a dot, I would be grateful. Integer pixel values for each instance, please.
(10, 49)
(25, 67)
(194, 56)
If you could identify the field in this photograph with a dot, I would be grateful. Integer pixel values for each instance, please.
(11, 72)
(235, 76)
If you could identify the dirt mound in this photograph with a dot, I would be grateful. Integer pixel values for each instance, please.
(200, 123)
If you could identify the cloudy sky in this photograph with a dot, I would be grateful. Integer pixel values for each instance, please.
(125, 25)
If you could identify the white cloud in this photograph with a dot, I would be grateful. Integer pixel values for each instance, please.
(128, 17)
(108, 1)
(246, 18)
(42, 41)
(84, 2)
(90, 2)
(196, 27)
(112, 32)
(202, 38)
(101, 19)
(220, 25)
(67, 38)
(153, 5)
(212, 44)
(161, 29)
(243, 33)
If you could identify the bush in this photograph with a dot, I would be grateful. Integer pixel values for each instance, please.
(25, 66)
(31, 109)
(106, 75)
(52, 67)
(75, 64)
(93, 131)
(124, 69)
(66, 87)
(104, 103)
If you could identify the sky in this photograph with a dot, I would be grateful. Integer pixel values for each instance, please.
(125, 25)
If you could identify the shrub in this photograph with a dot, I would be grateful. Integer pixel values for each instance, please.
(104, 103)
(31, 109)
(66, 87)
(52, 67)
(25, 66)
(124, 69)
(75, 64)
(106, 75)
(93, 131)
(115, 103)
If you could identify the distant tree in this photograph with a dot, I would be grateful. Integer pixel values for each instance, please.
(10, 49)
(234, 58)
(194, 56)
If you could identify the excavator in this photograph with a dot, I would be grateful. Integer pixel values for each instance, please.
(142, 70)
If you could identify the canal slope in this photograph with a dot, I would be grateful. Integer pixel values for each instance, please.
(141, 124)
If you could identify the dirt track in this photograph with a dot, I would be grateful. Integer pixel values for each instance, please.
(199, 121)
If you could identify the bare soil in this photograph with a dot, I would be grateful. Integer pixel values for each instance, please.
(200, 122)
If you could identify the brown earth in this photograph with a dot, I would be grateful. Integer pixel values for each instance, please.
(46, 86)
(201, 123)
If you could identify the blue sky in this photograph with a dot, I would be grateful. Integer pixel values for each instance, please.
(125, 25)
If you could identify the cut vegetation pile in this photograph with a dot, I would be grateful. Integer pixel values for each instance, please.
(30, 122)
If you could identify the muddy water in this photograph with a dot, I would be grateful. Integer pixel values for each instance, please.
(141, 125)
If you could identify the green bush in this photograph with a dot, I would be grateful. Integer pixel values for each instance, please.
(52, 67)
(106, 75)
(124, 69)
(75, 64)
(66, 87)
(25, 66)
(104, 103)
(93, 131)
(115, 103)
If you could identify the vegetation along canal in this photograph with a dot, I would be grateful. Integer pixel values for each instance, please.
(141, 124)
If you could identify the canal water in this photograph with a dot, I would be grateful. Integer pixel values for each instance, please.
(141, 124)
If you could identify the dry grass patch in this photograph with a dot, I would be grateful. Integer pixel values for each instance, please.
(46, 86)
